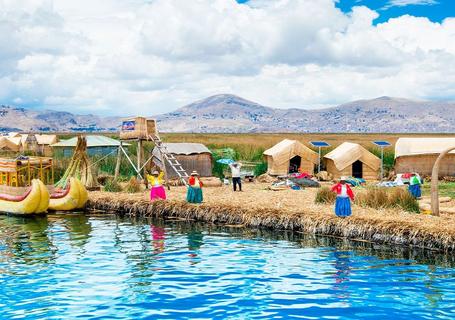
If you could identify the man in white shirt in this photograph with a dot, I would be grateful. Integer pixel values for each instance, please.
(235, 170)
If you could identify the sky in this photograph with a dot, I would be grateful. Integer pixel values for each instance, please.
(146, 57)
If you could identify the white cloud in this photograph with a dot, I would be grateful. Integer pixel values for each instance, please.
(404, 3)
(133, 56)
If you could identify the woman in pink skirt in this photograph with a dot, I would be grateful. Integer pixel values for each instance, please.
(157, 191)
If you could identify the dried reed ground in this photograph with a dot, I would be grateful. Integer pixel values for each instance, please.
(288, 209)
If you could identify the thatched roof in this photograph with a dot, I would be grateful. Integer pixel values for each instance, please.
(421, 146)
(12, 144)
(347, 153)
(186, 148)
(46, 139)
(287, 149)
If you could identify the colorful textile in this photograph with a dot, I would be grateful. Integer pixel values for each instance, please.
(415, 190)
(156, 181)
(195, 182)
(302, 175)
(337, 189)
(343, 207)
(194, 195)
(414, 180)
(157, 193)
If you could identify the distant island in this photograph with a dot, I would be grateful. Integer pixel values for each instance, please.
(226, 113)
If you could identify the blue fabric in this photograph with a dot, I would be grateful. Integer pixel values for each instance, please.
(415, 190)
(343, 207)
(194, 195)
(225, 161)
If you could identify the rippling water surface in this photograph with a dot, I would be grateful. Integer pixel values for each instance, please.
(101, 267)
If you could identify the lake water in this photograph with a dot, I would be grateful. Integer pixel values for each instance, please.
(103, 267)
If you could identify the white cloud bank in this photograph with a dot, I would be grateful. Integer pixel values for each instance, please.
(149, 57)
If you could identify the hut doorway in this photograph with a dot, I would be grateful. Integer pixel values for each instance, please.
(294, 164)
(357, 169)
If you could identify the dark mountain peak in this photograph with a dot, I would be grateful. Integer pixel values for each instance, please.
(226, 98)
(228, 102)
(385, 98)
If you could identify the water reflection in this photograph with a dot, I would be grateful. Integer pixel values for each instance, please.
(26, 240)
(343, 268)
(82, 265)
(158, 236)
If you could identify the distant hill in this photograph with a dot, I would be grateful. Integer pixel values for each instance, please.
(229, 113)
(21, 119)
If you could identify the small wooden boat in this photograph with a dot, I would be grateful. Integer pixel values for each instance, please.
(74, 196)
(34, 200)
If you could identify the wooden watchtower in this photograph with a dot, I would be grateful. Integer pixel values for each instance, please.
(142, 129)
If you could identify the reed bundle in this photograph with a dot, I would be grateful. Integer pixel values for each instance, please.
(288, 210)
(79, 166)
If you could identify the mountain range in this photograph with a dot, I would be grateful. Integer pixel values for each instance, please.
(227, 113)
(22, 119)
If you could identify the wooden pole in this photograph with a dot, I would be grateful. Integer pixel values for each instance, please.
(139, 156)
(434, 183)
(119, 160)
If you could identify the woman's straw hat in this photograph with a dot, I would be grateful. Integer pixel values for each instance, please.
(194, 173)
(343, 178)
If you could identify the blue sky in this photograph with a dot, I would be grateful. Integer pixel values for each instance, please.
(116, 57)
(435, 10)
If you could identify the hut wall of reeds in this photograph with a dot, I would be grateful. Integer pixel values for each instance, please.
(44, 142)
(419, 155)
(29, 143)
(138, 128)
(290, 152)
(192, 156)
(351, 159)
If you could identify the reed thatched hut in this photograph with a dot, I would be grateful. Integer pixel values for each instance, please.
(192, 156)
(10, 144)
(44, 142)
(419, 155)
(351, 159)
(288, 156)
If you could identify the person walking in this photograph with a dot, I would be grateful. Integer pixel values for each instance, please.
(236, 180)
(157, 191)
(344, 197)
(194, 193)
(414, 186)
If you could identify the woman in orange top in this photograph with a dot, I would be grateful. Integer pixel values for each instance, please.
(194, 193)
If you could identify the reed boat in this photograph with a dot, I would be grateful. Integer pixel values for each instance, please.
(34, 200)
(74, 196)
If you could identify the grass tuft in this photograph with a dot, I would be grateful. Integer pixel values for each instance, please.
(325, 196)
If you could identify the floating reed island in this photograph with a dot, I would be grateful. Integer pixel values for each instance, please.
(293, 210)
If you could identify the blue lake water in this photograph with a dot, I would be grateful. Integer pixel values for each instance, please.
(103, 267)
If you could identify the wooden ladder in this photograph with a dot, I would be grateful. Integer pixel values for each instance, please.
(169, 157)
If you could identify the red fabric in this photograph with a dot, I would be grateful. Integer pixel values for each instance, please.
(192, 182)
(406, 175)
(337, 189)
(59, 193)
(303, 175)
(8, 197)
